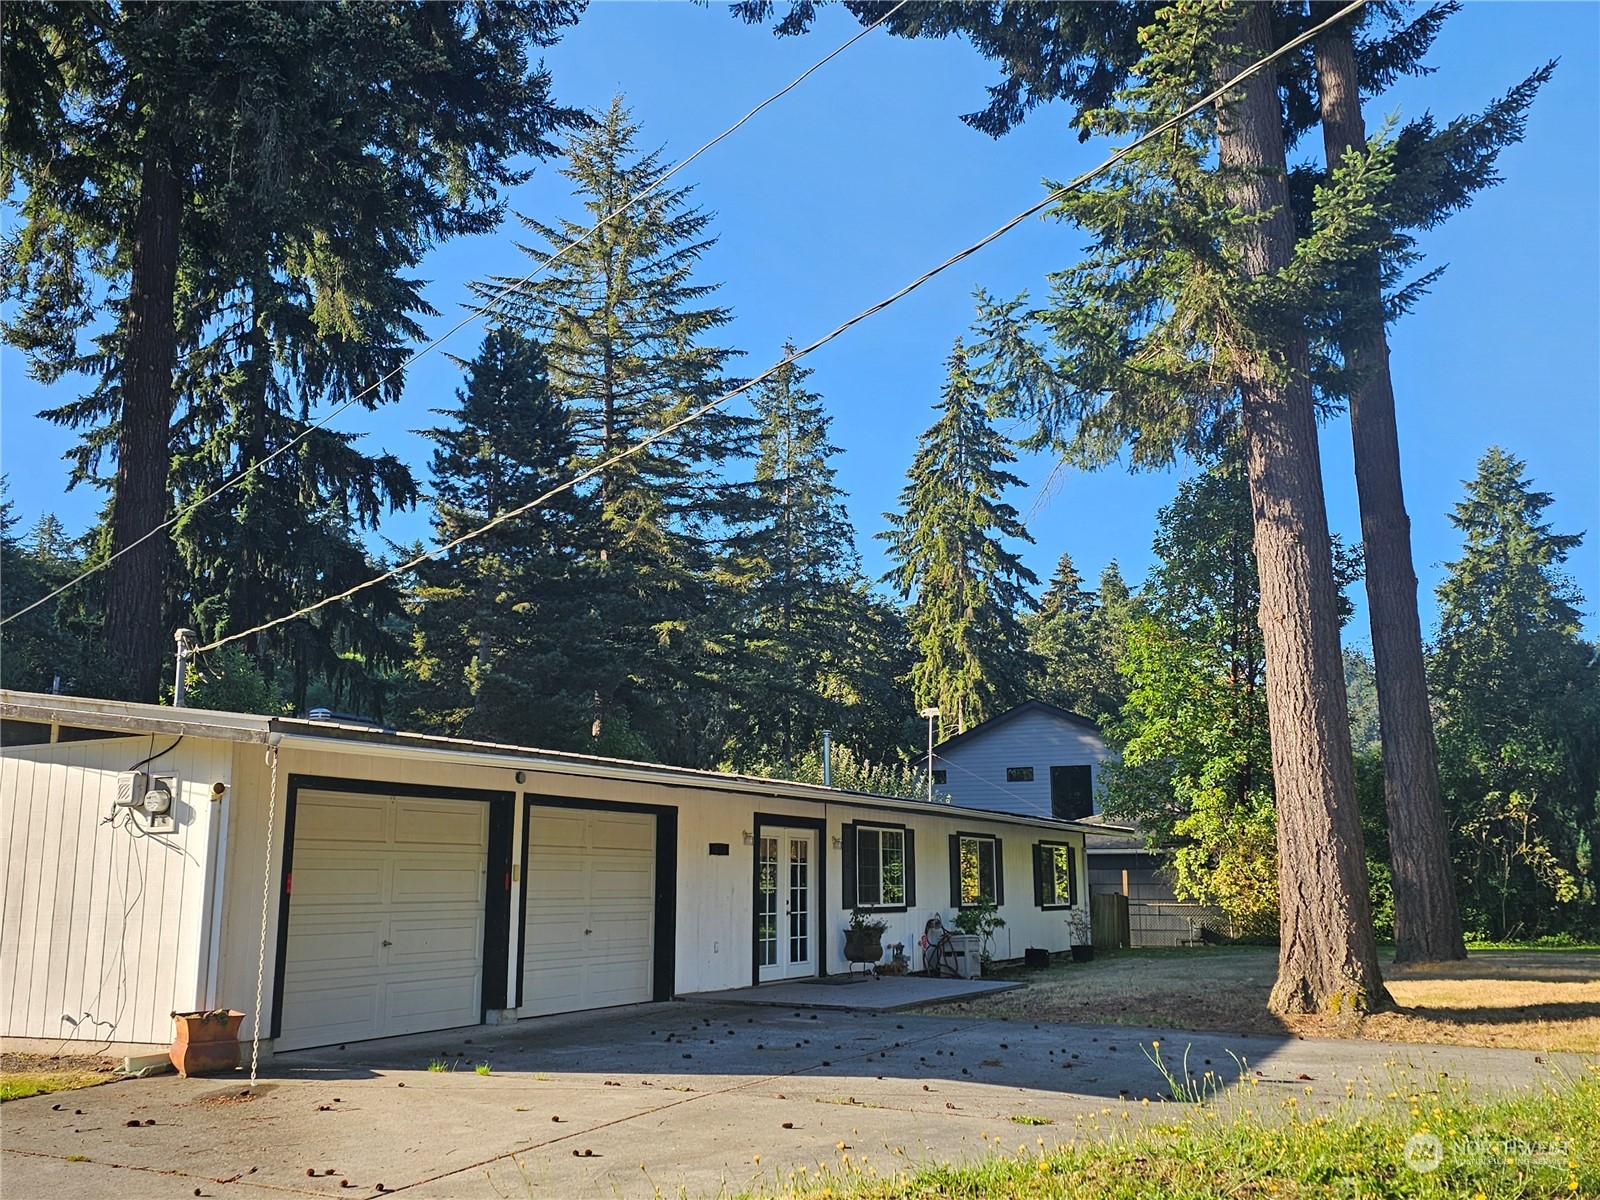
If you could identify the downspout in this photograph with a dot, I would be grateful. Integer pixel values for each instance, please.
(218, 815)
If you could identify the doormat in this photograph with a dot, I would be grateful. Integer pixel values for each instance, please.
(835, 980)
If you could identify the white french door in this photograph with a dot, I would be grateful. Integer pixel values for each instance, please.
(786, 904)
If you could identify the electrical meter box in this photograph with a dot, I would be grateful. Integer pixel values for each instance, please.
(131, 787)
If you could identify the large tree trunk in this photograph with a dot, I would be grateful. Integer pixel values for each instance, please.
(135, 632)
(1427, 922)
(1328, 961)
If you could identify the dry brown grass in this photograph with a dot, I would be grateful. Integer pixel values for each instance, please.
(1531, 1000)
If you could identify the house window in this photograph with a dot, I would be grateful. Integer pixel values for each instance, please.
(1019, 774)
(879, 866)
(940, 778)
(976, 872)
(1071, 793)
(1055, 875)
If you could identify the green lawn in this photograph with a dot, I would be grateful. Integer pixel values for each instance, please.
(1542, 1142)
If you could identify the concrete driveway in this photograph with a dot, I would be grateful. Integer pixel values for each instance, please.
(663, 1099)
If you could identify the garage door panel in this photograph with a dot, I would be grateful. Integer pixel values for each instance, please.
(318, 878)
(628, 881)
(599, 878)
(426, 943)
(616, 982)
(619, 832)
(432, 881)
(321, 817)
(421, 1004)
(323, 943)
(549, 829)
(419, 823)
(624, 932)
(558, 987)
(385, 934)
(336, 1013)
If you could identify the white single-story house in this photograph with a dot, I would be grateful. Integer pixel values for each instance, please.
(1033, 760)
(367, 883)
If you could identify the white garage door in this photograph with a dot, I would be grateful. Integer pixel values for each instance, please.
(386, 917)
(589, 938)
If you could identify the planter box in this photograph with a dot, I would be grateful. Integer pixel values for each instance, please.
(206, 1042)
(863, 946)
(1083, 954)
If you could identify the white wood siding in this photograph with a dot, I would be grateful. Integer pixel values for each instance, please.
(976, 770)
(66, 949)
(102, 928)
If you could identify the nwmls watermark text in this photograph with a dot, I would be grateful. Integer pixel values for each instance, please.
(1428, 1152)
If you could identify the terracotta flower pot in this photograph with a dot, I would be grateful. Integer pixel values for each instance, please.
(206, 1042)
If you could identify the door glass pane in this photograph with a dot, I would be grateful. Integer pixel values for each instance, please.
(767, 903)
(869, 867)
(799, 900)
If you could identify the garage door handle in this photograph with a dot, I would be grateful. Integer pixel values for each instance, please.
(587, 932)
(388, 943)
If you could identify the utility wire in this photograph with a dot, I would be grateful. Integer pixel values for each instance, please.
(797, 355)
(483, 310)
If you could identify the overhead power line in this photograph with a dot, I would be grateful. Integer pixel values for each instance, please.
(796, 355)
(483, 310)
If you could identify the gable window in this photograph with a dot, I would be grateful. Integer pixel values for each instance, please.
(879, 866)
(940, 777)
(976, 870)
(1019, 774)
(1055, 875)
(1071, 793)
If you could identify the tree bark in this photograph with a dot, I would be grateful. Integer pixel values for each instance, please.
(1328, 961)
(1427, 921)
(135, 633)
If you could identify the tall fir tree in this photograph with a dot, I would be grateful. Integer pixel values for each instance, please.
(55, 647)
(948, 544)
(1427, 917)
(1518, 694)
(1073, 643)
(791, 569)
(226, 211)
(502, 622)
(627, 330)
(1082, 53)
(1189, 325)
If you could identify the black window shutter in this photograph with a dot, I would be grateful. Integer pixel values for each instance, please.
(911, 868)
(1072, 875)
(847, 865)
(999, 873)
(1039, 853)
(955, 870)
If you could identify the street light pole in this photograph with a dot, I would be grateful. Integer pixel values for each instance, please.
(933, 715)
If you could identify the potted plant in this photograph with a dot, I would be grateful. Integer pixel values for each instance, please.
(1078, 933)
(206, 1042)
(863, 937)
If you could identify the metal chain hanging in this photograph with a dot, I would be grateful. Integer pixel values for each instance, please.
(266, 903)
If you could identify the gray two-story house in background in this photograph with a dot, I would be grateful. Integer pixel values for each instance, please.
(1040, 760)
(1036, 760)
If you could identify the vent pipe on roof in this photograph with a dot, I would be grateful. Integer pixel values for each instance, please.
(827, 758)
(185, 640)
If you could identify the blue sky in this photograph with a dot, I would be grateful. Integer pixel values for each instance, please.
(863, 177)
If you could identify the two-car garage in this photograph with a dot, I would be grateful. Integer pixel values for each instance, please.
(397, 908)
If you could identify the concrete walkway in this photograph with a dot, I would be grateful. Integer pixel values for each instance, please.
(864, 993)
(679, 1097)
